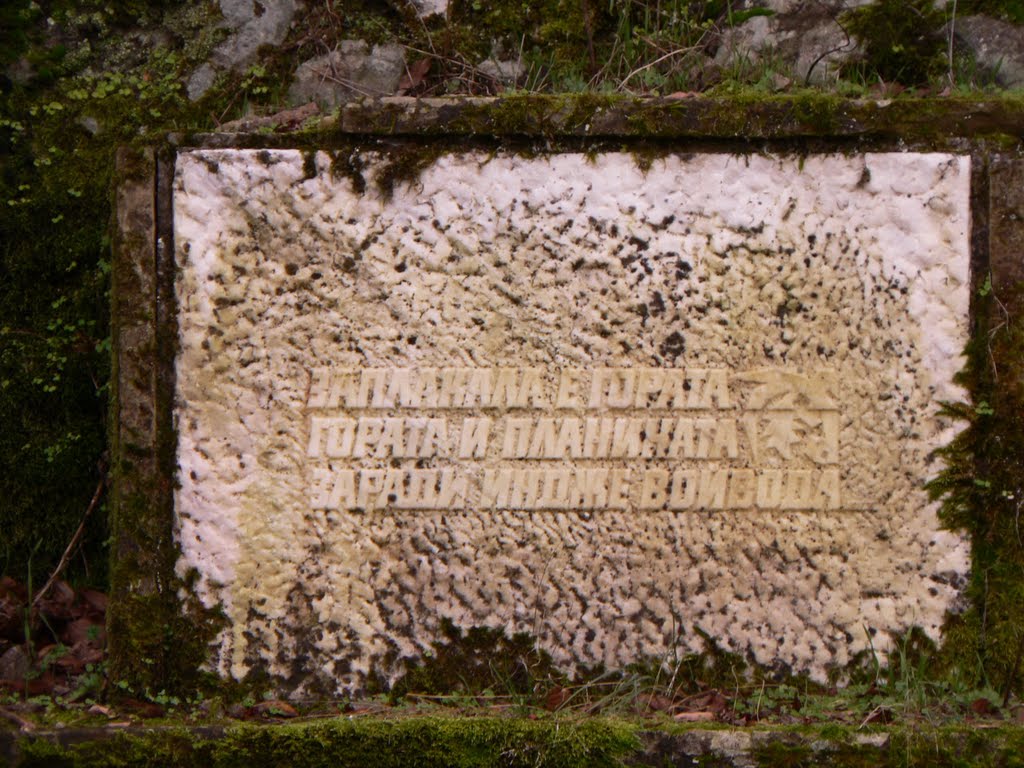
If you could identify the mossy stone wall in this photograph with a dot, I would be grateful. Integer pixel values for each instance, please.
(980, 489)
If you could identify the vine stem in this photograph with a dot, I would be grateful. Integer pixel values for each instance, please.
(73, 544)
(949, 55)
(1008, 685)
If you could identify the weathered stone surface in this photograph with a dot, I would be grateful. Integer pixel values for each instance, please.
(1006, 228)
(353, 71)
(750, 350)
(143, 594)
(505, 71)
(14, 663)
(253, 23)
(425, 8)
(997, 46)
(911, 121)
(808, 44)
(201, 81)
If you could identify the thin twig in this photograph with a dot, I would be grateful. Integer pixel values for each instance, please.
(20, 332)
(350, 84)
(75, 540)
(876, 711)
(475, 76)
(991, 334)
(657, 61)
(588, 27)
(23, 724)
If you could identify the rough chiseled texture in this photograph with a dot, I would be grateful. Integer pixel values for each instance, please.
(854, 266)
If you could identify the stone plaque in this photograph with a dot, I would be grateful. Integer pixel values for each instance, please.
(599, 402)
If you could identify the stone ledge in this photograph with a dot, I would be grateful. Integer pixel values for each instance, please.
(425, 741)
(747, 117)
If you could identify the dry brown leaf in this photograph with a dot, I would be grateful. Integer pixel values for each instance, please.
(144, 709)
(95, 600)
(13, 597)
(879, 715)
(84, 630)
(274, 708)
(40, 686)
(656, 702)
(694, 717)
(983, 707)
(556, 697)
(414, 74)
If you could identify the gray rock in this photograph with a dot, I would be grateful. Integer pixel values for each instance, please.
(200, 81)
(14, 664)
(807, 43)
(91, 124)
(21, 71)
(252, 24)
(816, 48)
(749, 38)
(255, 23)
(997, 46)
(423, 8)
(352, 71)
(834, 7)
(506, 71)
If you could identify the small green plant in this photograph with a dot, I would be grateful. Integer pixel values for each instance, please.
(163, 698)
(91, 682)
(255, 82)
(902, 40)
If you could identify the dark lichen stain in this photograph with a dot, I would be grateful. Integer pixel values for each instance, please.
(673, 345)
(309, 167)
(471, 661)
(404, 163)
(349, 164)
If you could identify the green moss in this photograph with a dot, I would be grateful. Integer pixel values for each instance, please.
(1011, 10)
(510, 743)
(403, 164)
(478, 661)
(421, 742)
(53, 342)
(780, 754)
(58, 134)
(981, 489)
(902, 39)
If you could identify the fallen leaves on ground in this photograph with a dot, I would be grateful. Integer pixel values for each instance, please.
(49, 645)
